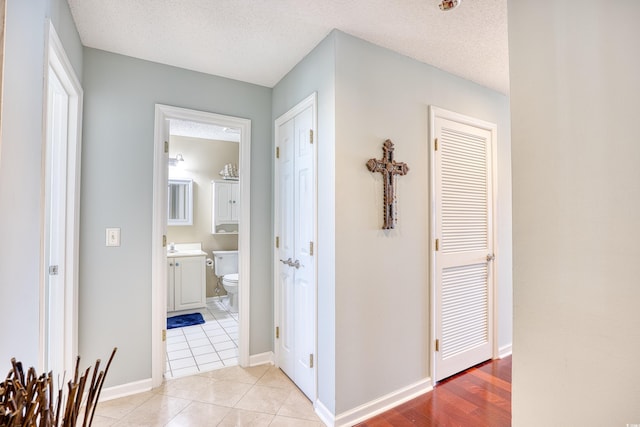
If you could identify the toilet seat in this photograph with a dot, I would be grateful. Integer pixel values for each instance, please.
(231, 279)
(230, 284)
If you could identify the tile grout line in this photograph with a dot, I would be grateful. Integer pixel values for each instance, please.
(224, 314)
(229, 377)
(191, 350)
(213, 345)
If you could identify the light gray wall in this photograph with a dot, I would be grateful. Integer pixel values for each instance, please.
(21, 172)
(66, 28)
(373, 287)
(382, 278)
(316, 73)
(117, 170)
(575, 80)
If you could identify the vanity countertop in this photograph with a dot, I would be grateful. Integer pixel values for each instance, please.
(185, 249)
(192, 252)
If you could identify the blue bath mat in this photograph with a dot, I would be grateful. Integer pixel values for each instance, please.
(184, 320)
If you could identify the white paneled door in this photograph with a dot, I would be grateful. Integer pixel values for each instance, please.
(61, 207)
(463, 200)
(295, 239)
(55, 222)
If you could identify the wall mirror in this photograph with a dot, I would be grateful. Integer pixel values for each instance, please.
(180, 202)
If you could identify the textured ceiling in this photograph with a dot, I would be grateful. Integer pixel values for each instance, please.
(259, 41)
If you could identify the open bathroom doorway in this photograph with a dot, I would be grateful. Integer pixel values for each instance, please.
(184, 127)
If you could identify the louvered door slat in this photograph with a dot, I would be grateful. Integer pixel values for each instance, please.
(464, 308)
(464, 189)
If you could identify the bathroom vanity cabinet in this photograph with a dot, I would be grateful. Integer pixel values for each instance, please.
(226, 206)
(186, 287)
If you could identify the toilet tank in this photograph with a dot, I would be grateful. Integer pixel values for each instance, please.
(225, 262)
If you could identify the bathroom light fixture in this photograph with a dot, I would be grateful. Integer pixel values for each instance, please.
(177, 160)
(449, 4)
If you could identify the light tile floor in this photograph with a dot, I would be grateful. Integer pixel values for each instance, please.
(205, 347)
(233, 396)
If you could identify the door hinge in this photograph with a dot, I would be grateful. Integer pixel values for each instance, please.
(437, 345)
(164, 335)
(164, 240)
(277, 332)
(166, 146)
(277, 152)
(310, 248)
(437, 244)
(310, 136)
(53, 270)
(311, 360)
(277, 241)
(435, 145)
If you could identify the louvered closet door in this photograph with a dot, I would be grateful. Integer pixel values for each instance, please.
(463, 259)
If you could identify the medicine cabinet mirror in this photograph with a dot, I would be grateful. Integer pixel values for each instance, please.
(180, 202)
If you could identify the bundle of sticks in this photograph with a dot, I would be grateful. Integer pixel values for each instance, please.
(31, 400)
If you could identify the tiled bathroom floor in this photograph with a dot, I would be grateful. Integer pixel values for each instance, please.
(201, 348)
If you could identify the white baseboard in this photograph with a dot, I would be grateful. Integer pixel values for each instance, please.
(504, 351)
(123, 390)
(324, 414)
(261, 359)
(374, 407)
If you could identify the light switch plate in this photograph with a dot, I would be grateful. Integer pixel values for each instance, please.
(113, 237)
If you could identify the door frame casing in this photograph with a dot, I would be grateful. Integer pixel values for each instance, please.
(159, 229)
(310, 101)
(57, 59)
(435, 112)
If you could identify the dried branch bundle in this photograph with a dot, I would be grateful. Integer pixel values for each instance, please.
(29, 401)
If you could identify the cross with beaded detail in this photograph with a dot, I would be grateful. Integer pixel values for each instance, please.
(388, 168)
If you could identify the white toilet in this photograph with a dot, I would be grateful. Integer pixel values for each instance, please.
(226, 268)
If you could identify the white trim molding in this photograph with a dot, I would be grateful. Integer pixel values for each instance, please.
(261, 359)
(505, 351)
(164, 113)
(377, 406)
(324, 414)
(124, 390)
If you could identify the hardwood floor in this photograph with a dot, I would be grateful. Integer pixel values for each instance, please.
(479, 396)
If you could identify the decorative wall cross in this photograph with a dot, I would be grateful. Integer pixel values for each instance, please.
(389, 168)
